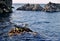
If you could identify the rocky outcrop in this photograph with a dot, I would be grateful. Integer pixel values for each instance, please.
(31, 7)
(4, 8)
(52, 7)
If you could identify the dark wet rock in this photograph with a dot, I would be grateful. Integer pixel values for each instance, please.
(52, 7)
(12, 7)
(30, 7)
(4, 8)
(16, 31)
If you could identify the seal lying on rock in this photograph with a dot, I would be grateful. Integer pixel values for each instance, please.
(19, 30)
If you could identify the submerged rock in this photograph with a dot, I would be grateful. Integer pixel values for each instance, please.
(31, 7)
(4, 8)
(52, 7)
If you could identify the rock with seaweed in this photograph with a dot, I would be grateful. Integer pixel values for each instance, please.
(30, 7)
(19, 30)
(52, 7)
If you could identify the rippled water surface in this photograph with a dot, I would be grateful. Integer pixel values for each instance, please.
(46, 24)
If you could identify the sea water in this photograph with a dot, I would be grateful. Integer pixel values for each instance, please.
(44, 23)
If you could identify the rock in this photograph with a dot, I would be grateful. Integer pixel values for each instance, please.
(52, 7)
(37, 7)
(18, 30)
(24, 29)
(1, 11)
(31, 7)
(12, 7)
(4, 8)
